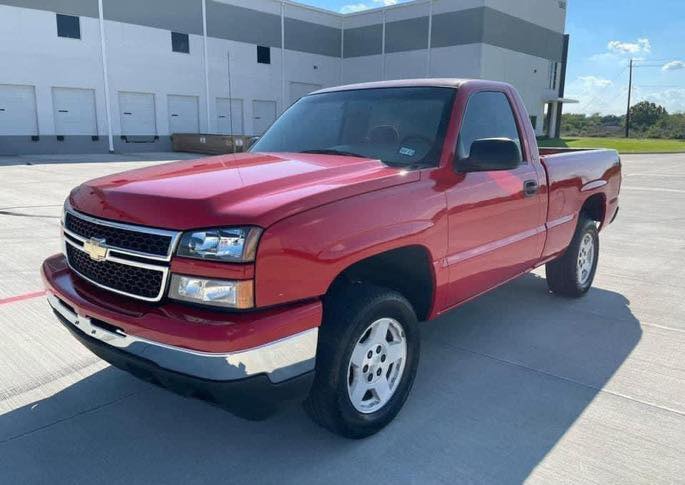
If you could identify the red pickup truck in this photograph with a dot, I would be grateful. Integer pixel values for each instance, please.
(300, 270)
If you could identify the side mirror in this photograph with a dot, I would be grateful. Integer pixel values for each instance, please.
(251, 141)
(491, 154)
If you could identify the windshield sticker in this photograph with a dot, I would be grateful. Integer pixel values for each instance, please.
(407, 152)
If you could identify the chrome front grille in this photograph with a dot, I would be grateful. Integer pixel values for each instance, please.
(122, 258)
(130, 280)
(140, 242)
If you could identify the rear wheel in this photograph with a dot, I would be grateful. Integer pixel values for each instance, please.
(366, 361)
(573, 273)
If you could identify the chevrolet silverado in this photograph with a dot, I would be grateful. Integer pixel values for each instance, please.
(301, 269)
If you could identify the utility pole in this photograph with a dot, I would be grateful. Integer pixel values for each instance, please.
(630, 90)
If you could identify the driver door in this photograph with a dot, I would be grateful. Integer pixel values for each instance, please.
(496, 217)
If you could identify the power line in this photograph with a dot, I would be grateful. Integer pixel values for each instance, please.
(664, 59)
(659, 85)
(607, 102)
(595, 98)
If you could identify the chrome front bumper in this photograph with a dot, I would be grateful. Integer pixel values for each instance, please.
(279, 360)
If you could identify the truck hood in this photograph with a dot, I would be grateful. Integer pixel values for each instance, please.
(250, 188)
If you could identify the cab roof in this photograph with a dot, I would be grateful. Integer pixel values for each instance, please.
(410, 83)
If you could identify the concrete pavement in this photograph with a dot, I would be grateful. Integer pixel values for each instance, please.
(519, 385)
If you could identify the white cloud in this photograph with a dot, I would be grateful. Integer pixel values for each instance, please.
(672, 99)
(641, 46)
(673, 66)
(595, 82)
(617, 52)
(605, 57)
(595, 95)
(354, 7)
(358, 7)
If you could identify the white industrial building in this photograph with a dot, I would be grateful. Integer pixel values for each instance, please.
(77, 71)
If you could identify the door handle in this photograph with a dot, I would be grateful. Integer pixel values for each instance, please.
(530, 188)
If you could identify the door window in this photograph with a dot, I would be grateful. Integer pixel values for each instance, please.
(488, 115)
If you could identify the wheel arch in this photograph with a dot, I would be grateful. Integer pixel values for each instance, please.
(405, 269)
(595, 208)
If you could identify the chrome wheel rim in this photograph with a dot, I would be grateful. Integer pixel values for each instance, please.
(376, 365)
(586, 258)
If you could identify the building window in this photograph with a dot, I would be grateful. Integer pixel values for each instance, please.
(263, 54)
(534, 122)
(552, 74)
(180, 43)
(68, 26)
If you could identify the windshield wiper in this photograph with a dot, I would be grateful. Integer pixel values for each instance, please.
(408, 166)
(331, 151)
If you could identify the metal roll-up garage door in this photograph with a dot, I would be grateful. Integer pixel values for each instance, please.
(229, 122)
(263, 115)
(74, 111)
(184, 114)
(137, 111)
(18, 110)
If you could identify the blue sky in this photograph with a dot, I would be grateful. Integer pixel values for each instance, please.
(605, 34)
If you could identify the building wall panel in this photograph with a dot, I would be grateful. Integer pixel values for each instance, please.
(87, 8)
(406, 65)
(503, 30)
(241, 24)
(363, 41)
(176, 15)
(462, 61)
(406, 35)
(308, 37)
(362, 69)
(457, 28)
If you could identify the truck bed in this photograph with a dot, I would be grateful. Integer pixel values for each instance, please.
(544, 151)
(573, 177)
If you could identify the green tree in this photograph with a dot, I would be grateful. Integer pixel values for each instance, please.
(645, 114)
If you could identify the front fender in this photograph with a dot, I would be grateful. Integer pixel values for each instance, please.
(299, 257)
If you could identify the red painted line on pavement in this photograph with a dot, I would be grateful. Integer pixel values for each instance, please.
(25, 296)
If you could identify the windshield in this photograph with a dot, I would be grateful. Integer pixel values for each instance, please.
(400, 126)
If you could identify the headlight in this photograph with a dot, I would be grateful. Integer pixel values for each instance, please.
(231, 244)
(229, 294)
(65, 208)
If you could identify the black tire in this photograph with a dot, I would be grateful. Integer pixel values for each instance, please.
(562, 274)
(348, 313)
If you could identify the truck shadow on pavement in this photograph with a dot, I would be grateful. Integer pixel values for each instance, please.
(500, 382)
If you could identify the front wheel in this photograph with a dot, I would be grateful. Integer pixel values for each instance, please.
(573, 273)
(366, 361)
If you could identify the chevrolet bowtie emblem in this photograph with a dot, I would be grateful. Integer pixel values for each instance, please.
(95, 248)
